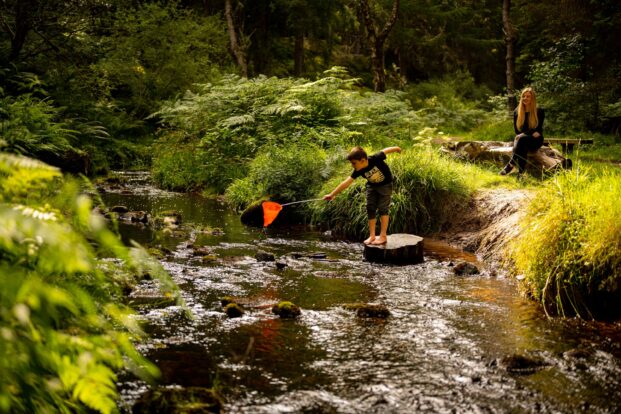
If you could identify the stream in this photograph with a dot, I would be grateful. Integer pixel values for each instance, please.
(450, 344)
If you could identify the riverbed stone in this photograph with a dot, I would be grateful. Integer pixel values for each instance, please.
(465, 268)
(367, 310)
(201, 250)
(151, 301)
(166, 400)
(521, 364)
(287, 310)
(119, 209)
(262, 256)
(233, 310)
(400, 249)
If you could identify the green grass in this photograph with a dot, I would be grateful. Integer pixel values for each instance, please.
(568, 249)
(428, 186)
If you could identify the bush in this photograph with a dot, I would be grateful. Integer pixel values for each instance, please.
(286, 175)
(451, 104)
(569, 246)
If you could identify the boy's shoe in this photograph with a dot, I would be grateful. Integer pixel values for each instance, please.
(508, 168)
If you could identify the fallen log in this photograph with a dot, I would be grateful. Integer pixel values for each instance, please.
(545, 159)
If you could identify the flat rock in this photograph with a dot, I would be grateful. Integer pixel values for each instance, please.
(400, 249)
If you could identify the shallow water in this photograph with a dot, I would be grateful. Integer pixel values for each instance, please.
(439, 351)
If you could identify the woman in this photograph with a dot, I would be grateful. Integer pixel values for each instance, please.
(528, 125)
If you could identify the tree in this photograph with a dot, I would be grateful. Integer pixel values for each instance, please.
(36, 27)
(238, 49)
(510, 37)
(376, 40)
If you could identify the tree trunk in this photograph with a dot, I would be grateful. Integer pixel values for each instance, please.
(376, 41)
(238, 51)
(298, 57)
(510, 37)
(23, 25)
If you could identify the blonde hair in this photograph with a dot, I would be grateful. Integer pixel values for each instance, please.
(533, 120)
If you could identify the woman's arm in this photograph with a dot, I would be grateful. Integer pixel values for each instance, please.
(515, 127)
(391, 149)
(343, 185)
(541, 115)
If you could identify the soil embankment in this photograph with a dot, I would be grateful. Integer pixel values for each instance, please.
(487, 223)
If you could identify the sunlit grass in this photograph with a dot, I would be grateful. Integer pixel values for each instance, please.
(569, 246)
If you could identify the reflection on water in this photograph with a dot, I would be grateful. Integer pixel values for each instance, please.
(438, 352)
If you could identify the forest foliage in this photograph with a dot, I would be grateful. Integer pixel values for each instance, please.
(91, 85)
(64, 331)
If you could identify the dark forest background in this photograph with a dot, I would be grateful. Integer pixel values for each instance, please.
(77, 75)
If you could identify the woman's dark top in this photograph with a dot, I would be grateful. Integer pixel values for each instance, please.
(525, 129)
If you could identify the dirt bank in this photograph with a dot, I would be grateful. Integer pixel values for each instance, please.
(487, 223)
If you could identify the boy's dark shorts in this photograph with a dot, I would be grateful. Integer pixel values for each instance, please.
(378, 199)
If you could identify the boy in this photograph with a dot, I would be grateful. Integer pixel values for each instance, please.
(379, 187)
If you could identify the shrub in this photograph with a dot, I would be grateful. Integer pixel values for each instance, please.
(284, 174)
(569, 246)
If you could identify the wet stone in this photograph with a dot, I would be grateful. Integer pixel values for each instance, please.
(195, 400)
(262, 256)
(119, 209)
(521, 364)
(148, 301)
(287, 310)
(226, 300)
(465, 268)
(186, 364)
(366, 310)
(201, 251)
(233, 310)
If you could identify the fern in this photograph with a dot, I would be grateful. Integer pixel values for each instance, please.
(64, 335)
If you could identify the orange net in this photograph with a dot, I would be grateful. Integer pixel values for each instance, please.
(270, 212)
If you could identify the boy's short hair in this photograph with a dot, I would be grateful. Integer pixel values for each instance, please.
(357, 153)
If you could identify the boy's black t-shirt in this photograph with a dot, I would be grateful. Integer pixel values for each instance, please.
(377, 172)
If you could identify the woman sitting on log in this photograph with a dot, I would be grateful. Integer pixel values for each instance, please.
(528, 125)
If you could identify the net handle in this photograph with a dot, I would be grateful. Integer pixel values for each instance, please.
(303, 201)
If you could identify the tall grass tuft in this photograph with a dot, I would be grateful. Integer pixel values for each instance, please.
(569, 247)
(427, 188)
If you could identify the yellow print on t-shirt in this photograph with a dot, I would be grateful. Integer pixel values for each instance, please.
(374, 175)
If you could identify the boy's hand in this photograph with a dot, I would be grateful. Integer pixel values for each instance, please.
(328, 197)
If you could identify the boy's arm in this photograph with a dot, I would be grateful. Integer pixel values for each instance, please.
(391, 149)
(346, 183)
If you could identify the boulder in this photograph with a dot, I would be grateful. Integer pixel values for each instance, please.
(400, 249)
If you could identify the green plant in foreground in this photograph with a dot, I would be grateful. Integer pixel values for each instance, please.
(569, 247)
(63, 332)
